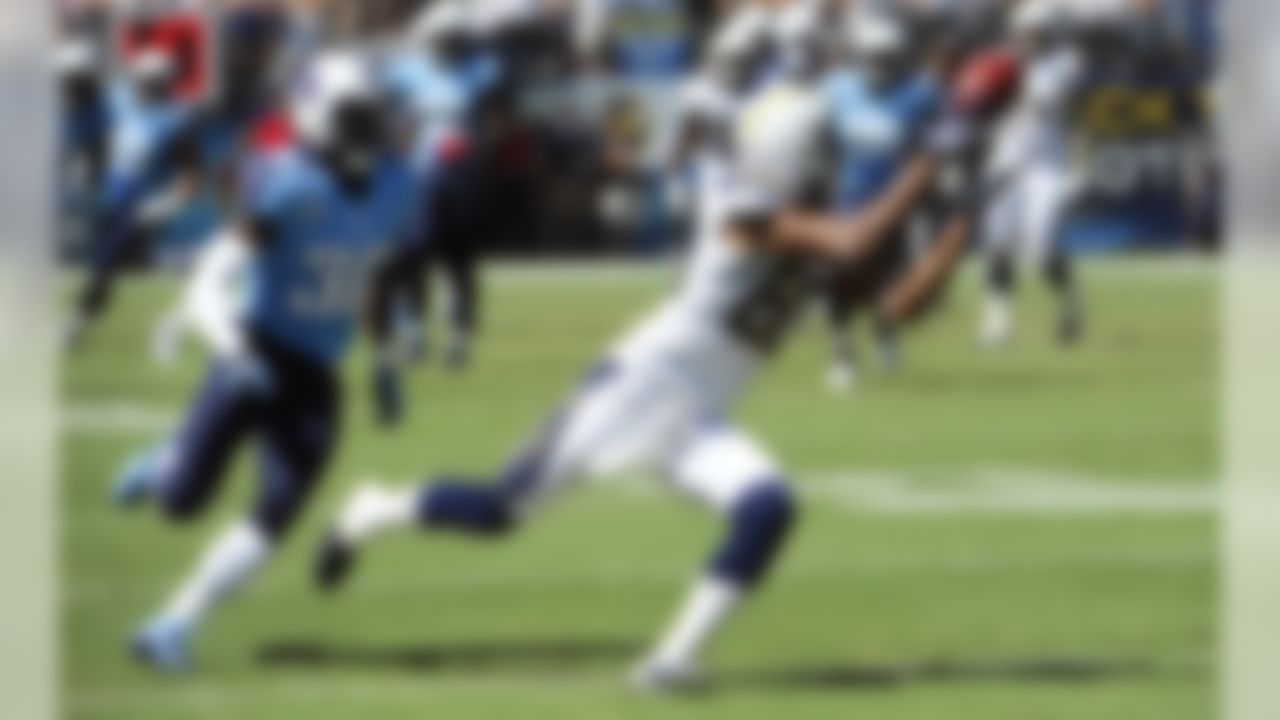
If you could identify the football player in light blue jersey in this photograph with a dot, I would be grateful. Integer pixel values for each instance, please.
(278, 299)
(441, 82)
(151, 169)
(880, 108)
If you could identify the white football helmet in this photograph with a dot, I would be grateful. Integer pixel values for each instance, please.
(778, 139)
(339, 111)
(332, 81)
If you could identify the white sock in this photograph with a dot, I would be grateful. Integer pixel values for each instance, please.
(711, 603)
(374, 510)
(230, 562)
(998, 320)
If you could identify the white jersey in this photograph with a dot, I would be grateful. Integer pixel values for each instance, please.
(662, 400)
(1038, 129)
(713, 107)
(1030, 170)
(737, 303)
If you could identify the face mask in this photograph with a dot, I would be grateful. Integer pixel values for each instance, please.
(359, 139)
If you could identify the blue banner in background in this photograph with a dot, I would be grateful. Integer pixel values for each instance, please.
(1133, 150)
(1139, 135)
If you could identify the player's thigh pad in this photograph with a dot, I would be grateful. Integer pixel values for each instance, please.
(626, 419)
(720, 465)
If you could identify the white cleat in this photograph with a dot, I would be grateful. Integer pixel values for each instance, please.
(842, 378)
(997, 325)
(658, 677)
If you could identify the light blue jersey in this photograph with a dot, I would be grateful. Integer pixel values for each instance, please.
(148, 144)
(309, 286)
(876, 131)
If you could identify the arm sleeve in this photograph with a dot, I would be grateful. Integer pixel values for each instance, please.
(215, 290)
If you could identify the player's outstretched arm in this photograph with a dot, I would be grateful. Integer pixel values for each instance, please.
(912, 295)
(851, 238)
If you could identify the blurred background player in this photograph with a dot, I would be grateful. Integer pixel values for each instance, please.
(152, 170)
(881, 103)
(85, 128)
(443, 82)
(276, 296)
(1032, 175)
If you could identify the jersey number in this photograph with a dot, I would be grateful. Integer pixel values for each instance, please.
(761, 318)
(335, 285)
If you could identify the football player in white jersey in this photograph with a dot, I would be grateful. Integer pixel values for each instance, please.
(1031, 172)
(663, 398)
(708, 105)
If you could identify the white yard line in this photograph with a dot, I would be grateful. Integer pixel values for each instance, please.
(609, 272)
(1006, 491)
(1002, 491)
(978, 494)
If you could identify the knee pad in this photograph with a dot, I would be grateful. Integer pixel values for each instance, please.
(760, 523)
(466, 507)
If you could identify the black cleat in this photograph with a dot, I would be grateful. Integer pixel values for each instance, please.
(334, 563)
(1070, 328)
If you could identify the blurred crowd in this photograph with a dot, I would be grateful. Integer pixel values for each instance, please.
(571, 108)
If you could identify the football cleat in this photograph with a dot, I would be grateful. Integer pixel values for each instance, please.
(137, 481)
(842, 378)
(163, 645)
(667, 678)
(334, 562)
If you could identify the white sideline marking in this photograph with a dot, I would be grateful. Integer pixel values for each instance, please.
(1003, 491)
(993, 493)
(611, 272)
(117, 418)
(1011, 492)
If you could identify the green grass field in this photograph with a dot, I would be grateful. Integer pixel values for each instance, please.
(1025, 535)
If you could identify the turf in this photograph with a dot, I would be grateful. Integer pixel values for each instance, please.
(909, 611)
